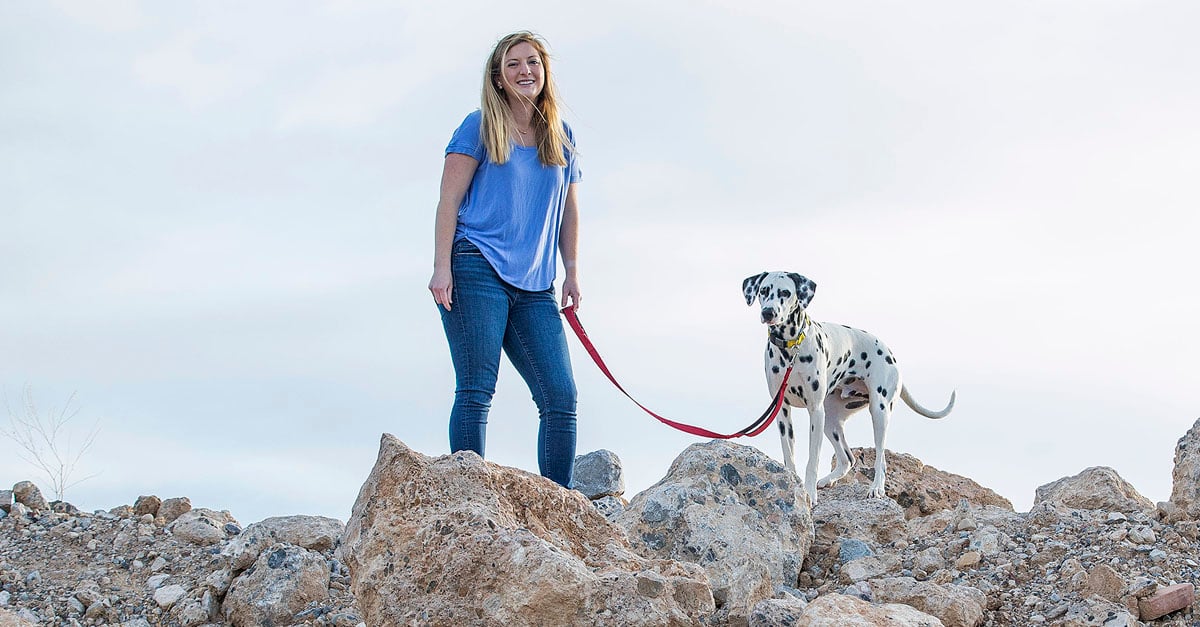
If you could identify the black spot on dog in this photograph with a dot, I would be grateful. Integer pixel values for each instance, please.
(879, 351)
(807, 359)
(852, 362)
(883, 407)
(863, 356)
(816, 385)
(855, 404)
(889, 359)
(868, 365)
(775, 369)
(782, 428)
(835, 436)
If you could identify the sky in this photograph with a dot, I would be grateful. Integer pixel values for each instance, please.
(216, 229)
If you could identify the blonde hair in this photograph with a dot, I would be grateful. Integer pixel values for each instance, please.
(498, 123)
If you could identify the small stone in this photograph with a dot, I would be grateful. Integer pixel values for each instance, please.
(155, 582)
(851, 549)
(1166, 600)
(1142, 535)
(968, 560)
(1104, 582)
(28, 494)
(166, 596)
(1116, 517)
(147, 505)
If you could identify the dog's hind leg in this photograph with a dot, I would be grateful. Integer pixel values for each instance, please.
(836, 414)
(881, 409)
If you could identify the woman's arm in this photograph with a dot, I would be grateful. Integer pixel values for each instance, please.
(568, 246)
(457, 173)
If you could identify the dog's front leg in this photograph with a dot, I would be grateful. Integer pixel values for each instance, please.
(816, 432)
(787, 438)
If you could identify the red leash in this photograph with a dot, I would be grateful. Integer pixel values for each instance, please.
(754, 429)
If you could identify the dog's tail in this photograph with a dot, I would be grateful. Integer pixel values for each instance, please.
(908, 400)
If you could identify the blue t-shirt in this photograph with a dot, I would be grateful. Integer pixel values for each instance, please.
(512, 212)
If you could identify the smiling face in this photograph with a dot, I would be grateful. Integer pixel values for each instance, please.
(522, 73)
(779, 294)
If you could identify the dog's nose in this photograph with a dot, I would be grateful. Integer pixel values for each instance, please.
(768, 314)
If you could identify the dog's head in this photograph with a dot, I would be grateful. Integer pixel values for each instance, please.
(779, 294)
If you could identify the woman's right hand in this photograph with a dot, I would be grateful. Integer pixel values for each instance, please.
(441, 286)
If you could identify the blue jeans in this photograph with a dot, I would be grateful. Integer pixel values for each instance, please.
(487, 315)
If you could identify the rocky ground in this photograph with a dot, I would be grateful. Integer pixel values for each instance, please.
(726, 538)
(124, 568)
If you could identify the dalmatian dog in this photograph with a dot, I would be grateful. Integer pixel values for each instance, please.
(836, 371)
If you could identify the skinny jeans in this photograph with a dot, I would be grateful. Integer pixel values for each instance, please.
(488, 315)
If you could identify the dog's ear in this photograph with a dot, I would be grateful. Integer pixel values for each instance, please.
(750, 286)
(805, 289)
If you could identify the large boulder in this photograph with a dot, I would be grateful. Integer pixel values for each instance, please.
(1096, 488)
(919, 489)
(1185, 489)
(202, 526)
(839, 610)
(954, 605)
(315, 533)
(455, 540)
(282, 582)
(734, 511)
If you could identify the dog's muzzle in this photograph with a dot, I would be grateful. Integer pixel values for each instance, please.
(768, 315)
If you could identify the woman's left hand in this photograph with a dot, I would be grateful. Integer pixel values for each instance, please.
(570, 292)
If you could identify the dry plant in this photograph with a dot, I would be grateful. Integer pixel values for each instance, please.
(46, 442)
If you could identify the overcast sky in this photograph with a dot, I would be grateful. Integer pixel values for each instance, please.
(217, 225)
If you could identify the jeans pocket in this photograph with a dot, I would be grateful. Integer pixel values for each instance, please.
(464, 247)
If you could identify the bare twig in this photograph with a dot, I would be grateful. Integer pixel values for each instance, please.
(45, 441)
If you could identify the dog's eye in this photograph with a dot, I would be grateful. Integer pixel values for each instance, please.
(766, 291)
(784, 293)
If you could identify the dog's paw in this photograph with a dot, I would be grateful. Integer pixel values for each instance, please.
(876, 492)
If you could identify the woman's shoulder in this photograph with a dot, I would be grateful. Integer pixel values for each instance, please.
(474, 119)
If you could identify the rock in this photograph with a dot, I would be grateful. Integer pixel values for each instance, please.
(955, 606)
(839, 610)
(1167, 600)
(777, 612)
(610, 506)
(599, 474)
(452, 539)
(732, 510)
(1096, 488)
(922, 490)
(146, 505)
(315, 533)
(6, 500)
(283, 581)
(9, 619)
(201, 526)
(850, 549)
(171, 509)
(968, 560)
(1096, 612)
(166, 596)
(869, 568)
(1185, 488)
(845, 511)
(1104, 582)
(28, 494)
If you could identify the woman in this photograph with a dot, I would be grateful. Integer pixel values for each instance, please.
(509, 195)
